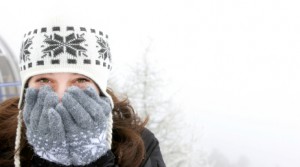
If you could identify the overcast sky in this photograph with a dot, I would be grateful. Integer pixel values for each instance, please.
(235, 63)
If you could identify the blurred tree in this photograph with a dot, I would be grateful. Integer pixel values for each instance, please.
(147, 90)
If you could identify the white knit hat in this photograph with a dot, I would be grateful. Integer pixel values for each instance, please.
(60, 47)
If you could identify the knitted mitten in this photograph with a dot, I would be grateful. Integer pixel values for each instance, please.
(85, 116)
(44, 127)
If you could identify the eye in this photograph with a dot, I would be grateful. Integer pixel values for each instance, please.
(82, 80)
(43, 80)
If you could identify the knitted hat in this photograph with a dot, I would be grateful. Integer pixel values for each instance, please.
(66, 48)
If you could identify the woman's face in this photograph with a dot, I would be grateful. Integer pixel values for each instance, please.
(61, 81)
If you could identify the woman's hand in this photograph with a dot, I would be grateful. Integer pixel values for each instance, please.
(86, 117)
(45, 129)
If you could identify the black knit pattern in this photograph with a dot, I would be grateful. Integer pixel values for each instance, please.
(70, 44)
(25, 53)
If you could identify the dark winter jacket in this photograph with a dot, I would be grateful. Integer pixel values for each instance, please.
(153, 154)
(153, 157)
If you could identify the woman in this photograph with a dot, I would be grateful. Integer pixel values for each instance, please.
(66, 115)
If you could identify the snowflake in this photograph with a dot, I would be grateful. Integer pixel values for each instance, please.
(105, 50)
(24, 56)
(59, 44)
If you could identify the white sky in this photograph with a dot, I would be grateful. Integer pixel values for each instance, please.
(236, 63)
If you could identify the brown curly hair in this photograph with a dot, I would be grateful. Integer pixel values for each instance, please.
(127, 144)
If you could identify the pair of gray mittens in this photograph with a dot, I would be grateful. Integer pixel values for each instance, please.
(71, 132)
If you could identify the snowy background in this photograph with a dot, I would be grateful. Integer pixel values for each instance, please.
(232, 67)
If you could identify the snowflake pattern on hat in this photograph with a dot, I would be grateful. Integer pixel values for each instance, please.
(24, 56)
(70, 44)
(104, 52)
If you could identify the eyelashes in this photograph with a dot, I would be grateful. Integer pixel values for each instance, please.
(42, 80)
(83, 80)
(75, 82)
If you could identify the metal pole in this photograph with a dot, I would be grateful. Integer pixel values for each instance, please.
(7, 84)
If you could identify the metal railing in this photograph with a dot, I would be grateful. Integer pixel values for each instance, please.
(3, 92)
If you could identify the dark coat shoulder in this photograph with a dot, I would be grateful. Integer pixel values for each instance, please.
(153, 157)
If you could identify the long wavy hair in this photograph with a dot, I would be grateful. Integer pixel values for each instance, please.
(127, 144)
